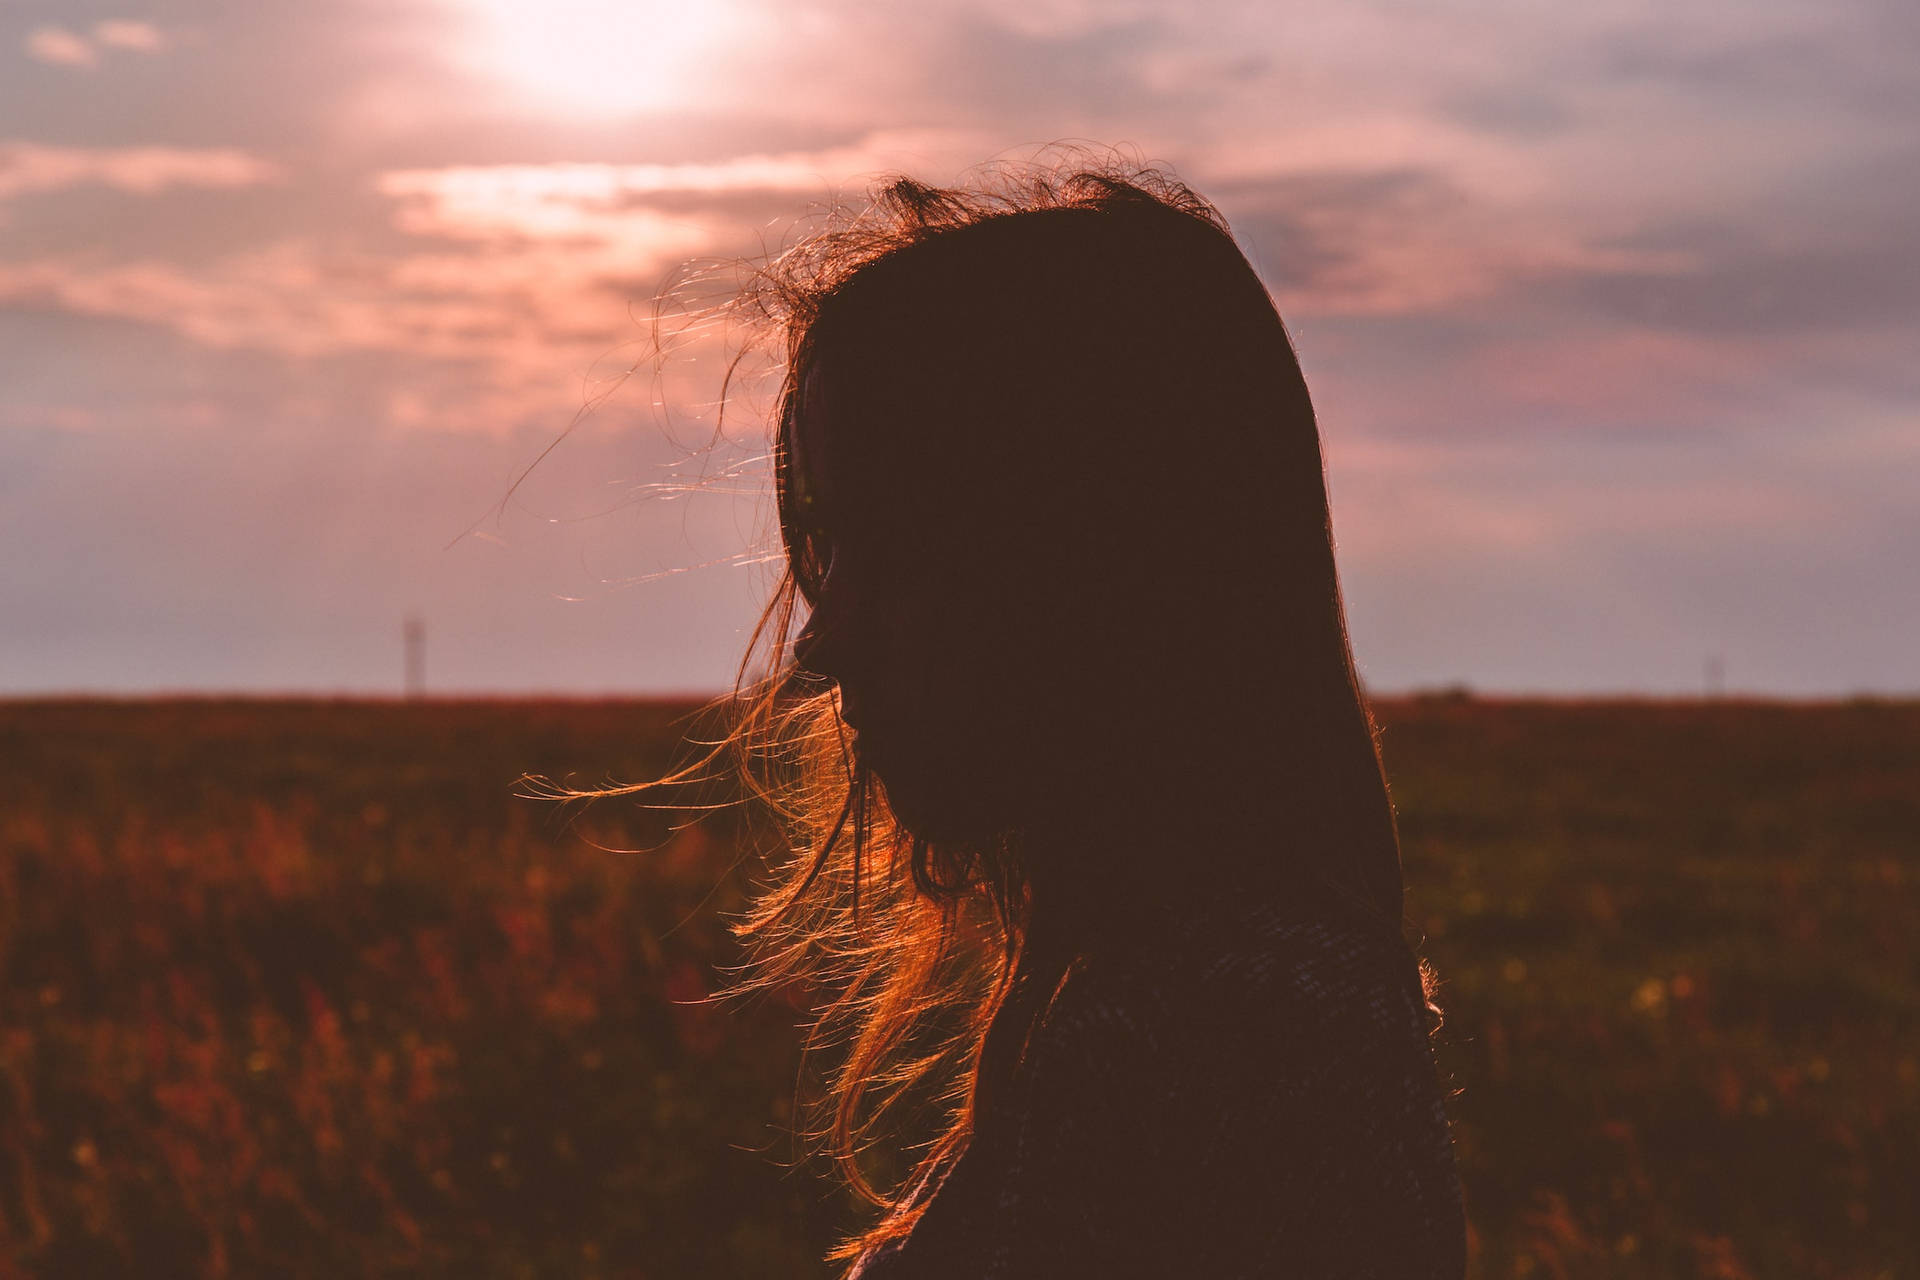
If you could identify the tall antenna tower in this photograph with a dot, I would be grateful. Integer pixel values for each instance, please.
(414, 635)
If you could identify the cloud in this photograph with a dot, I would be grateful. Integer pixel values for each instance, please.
(1350, 237)
(1396, 241)
(484, 340)
(513, 280)
(27, 168)
(60, 47)
(1735, 288)
(303, 299)
(590, 201)
(57, 46)
(598, 208)
(511, 186)
(123, 33)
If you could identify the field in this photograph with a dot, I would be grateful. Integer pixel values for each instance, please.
(302, 989)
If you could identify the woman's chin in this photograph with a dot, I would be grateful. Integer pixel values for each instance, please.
(936, 811)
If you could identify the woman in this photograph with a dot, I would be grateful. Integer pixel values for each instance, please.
(1095, 850)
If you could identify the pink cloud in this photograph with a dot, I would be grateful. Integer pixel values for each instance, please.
(1541, 502)
(27, 167)
(606, 183)
(529, 275)
(124, 33)
(1373, 237)
(493, 339)
(57, 46)
(290, 297)
(60, 47)
(1632, 374)
(595, 201)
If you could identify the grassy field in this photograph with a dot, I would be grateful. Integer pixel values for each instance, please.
(301, 989)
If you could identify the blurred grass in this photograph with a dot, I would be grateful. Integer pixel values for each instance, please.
(301, 989)
(1681, 980)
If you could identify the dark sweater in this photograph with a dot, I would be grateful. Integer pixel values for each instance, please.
(1255, 1098)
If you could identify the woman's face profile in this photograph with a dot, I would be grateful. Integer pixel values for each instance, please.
(922, 685)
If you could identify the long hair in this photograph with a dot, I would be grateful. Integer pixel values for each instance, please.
(1074, 412)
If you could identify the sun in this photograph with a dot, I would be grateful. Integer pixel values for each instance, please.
(605, 57)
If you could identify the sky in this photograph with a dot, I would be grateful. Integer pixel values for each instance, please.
(1609, 311)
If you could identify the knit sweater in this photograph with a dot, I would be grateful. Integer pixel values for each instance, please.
(1255, 1098)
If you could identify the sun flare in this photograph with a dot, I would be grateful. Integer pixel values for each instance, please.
(605, 57)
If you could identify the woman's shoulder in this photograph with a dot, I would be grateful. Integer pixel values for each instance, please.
(1264, 1083)
(1257, 956)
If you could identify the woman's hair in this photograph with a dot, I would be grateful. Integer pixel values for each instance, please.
(1069, 411)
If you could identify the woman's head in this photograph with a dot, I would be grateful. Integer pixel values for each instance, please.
(1050, 491)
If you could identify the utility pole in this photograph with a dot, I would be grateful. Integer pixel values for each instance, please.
(1716, 676)
(414, 636)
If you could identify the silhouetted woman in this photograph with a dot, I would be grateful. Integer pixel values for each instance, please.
(1095, 856)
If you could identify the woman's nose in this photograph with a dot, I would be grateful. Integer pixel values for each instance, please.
(814, 649)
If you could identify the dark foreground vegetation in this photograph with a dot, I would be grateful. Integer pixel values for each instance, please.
(301, 989)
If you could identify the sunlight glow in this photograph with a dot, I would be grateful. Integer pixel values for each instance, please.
(600, 56)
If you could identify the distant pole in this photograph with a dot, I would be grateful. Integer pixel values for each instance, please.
(1716, 675)
(415, 635)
